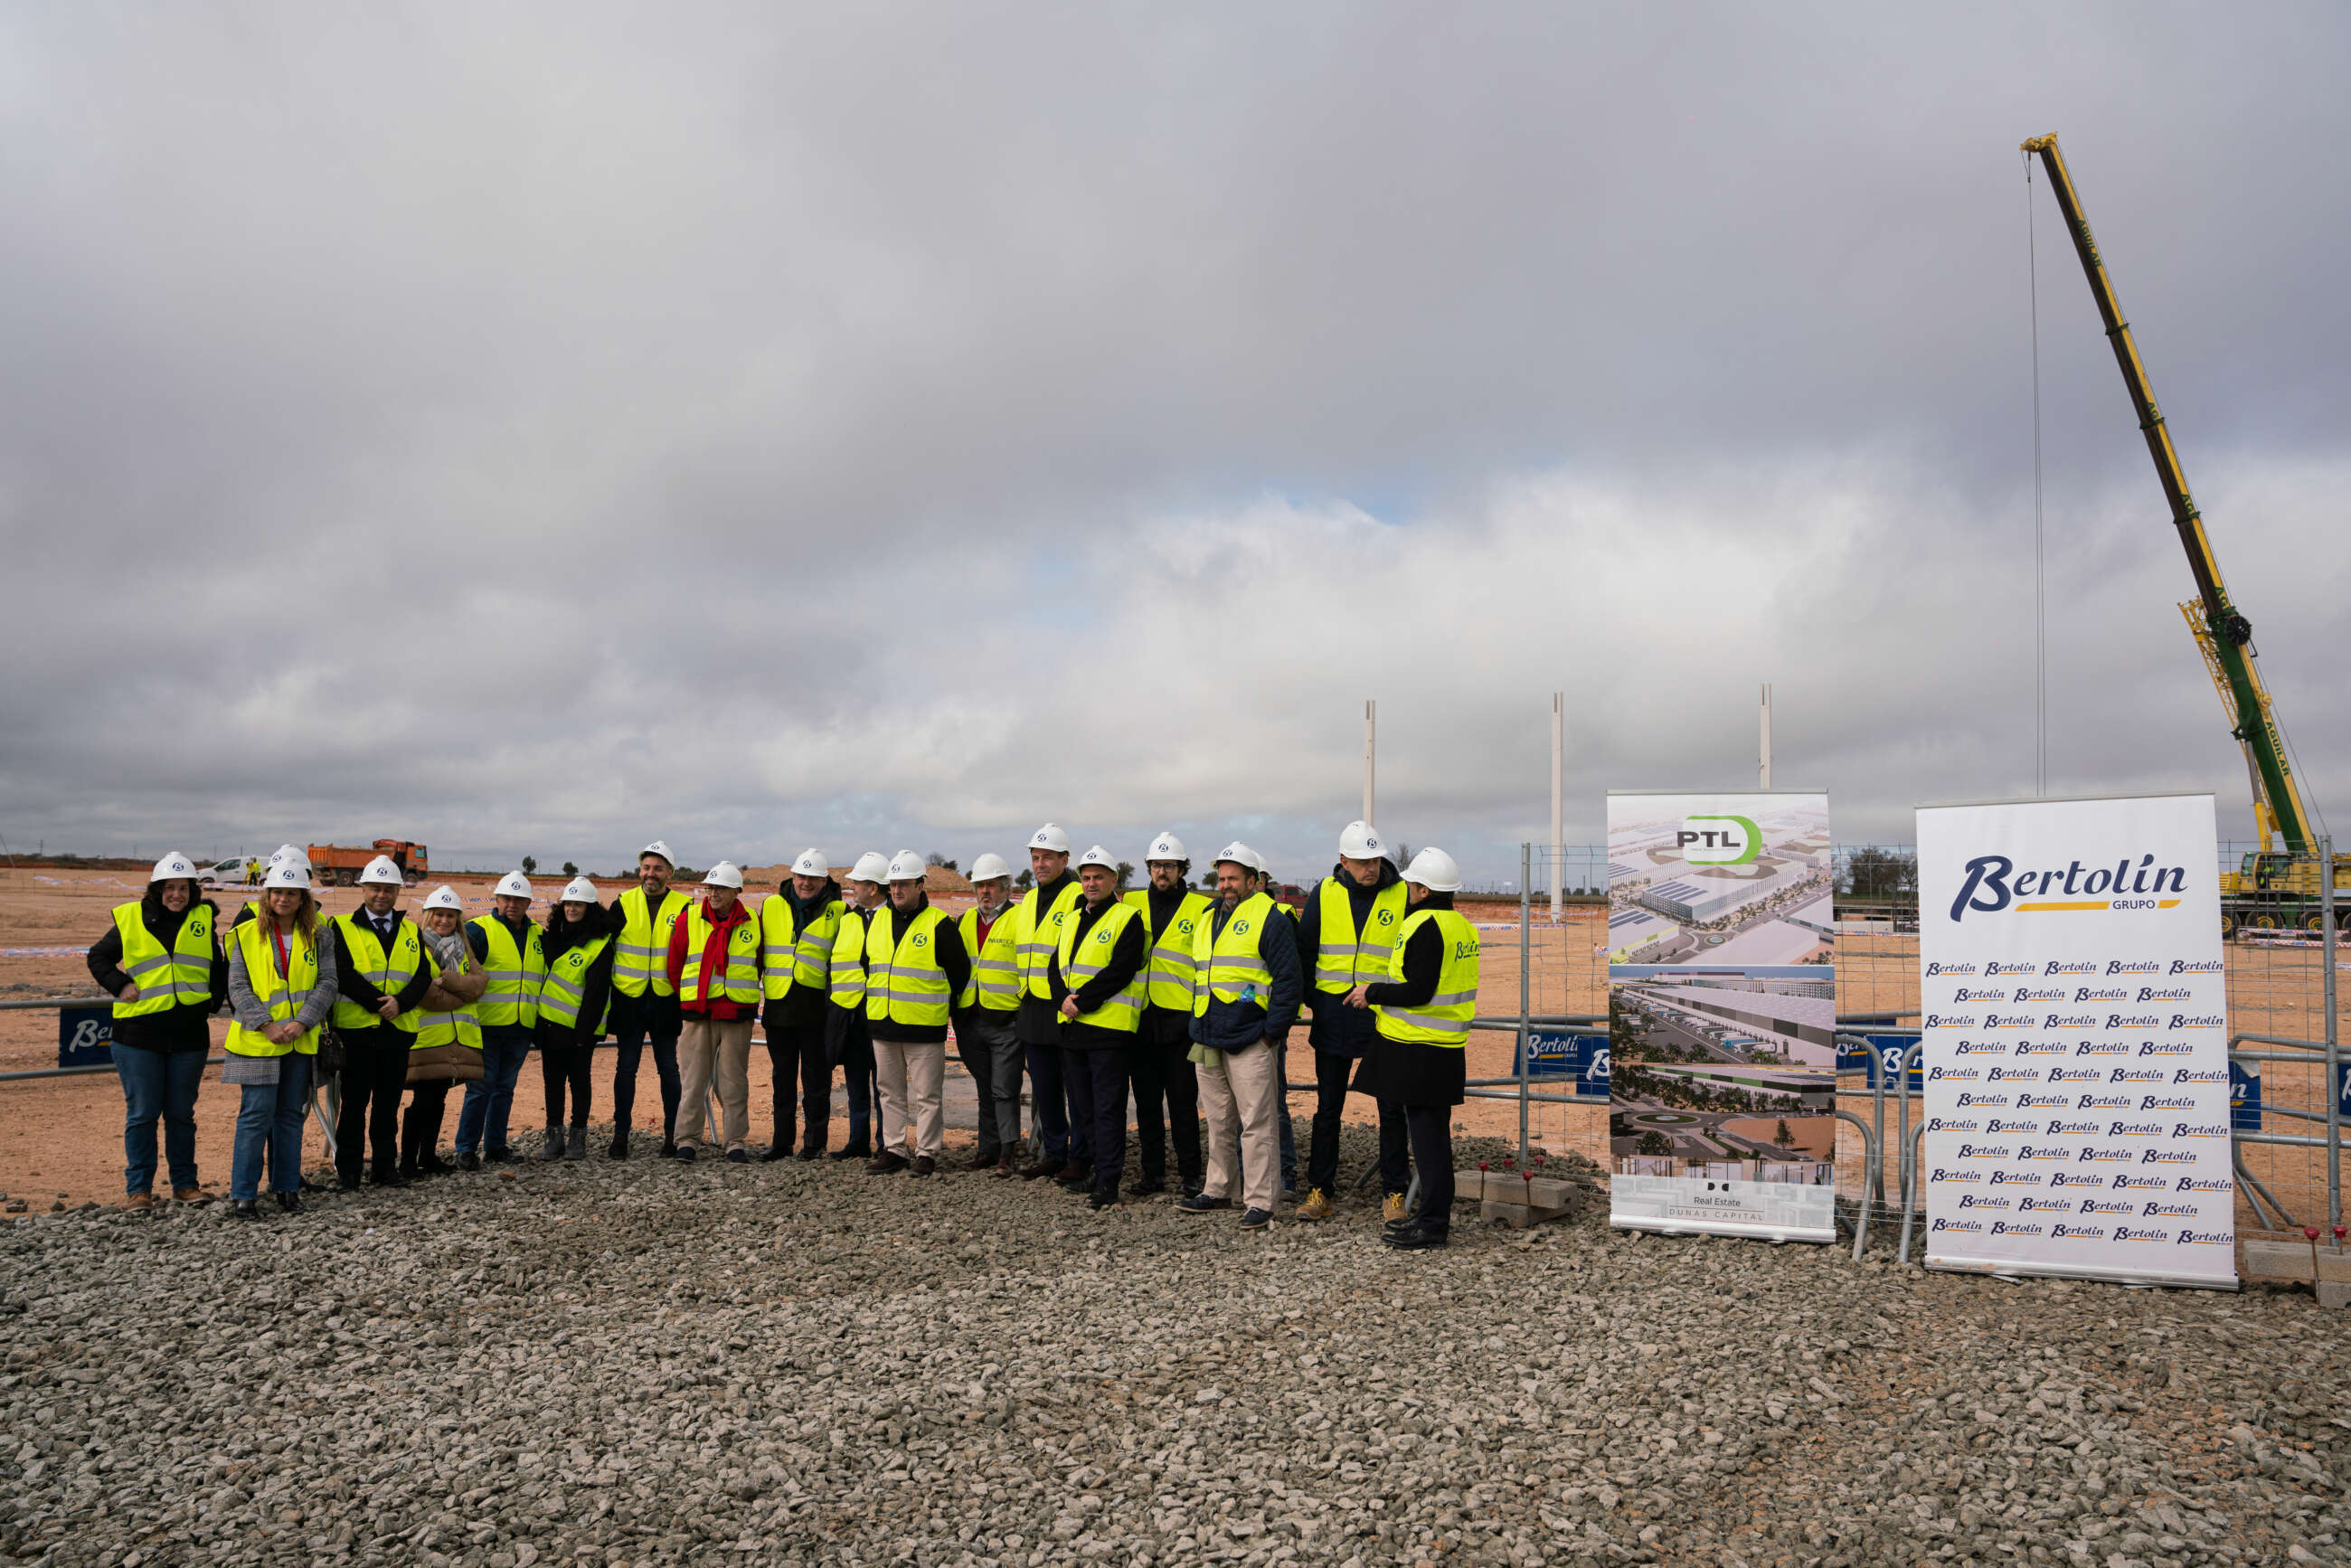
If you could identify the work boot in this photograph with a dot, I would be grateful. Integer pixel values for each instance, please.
(554, 1147)
(619, 1147)
(1009, 1165)
(575, 1147)
(138, 1200)
(291, 1202)
(187, 1194)
(1392, 1211)
(983, 1162)
(469, 1161)
(1316, 1207)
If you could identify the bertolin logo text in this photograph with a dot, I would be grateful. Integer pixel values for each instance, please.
(1979, 1048)
(2043, 1152)
(1998, 1125)
(2138, 1233)
(1934, 970)
(2165, 994)
(2038, 994)
(2167, 1102)
(2016, 1227)
(2195, 966)
(2134, 1075)
(2013, 1075)
(2075, 1021)
(2167, 1157)
(2101, 1047)
(1998, 967)
(1951, 1125)
(2125, 1021)
(2076, 1178)
(2060, 967)
(2016, 1178)
(2059, 1127)
(2076, 1075)
(1972, 1099)
(2126, 1181)
(2135, 1130)
(1952, 1075)
(2203, 1184)
(2208, 1238)
(2029, 1101)
(2152, 1209)
(1993, 884)
(2106, 1206)
(1982, 1152)
(1976, 994)
(2084, 1232)
(2133, 966)
(2008, 1020)
(2191, 1075)
(1978, 1200)
(2099, 994)
(2028, 1203)
(2199, 1130)
(2164, 1048)
(1942, 1223)
(2201, 1020)
(1950, 1021)
(2102, 1103)
(1942, 1175)
(2098, 1156)
(2040, 1048)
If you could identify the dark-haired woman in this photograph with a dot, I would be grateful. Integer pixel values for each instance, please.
(281, 987)
(447, 1049)
(572, 996)
(162, 963)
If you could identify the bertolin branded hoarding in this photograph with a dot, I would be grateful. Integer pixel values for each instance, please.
(2076, 1041)
(1722, 1014)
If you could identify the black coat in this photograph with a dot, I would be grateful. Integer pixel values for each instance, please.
(183, 1026)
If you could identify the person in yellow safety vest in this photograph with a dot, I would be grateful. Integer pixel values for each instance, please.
(796, 925)
(985, 1037)
(573, 997)
(1096, 978)
(848, 1035)
(1263, 883)
(714, 968)
(1414, 1065)
(163, 962)
(1344, 938)
(512, 957)
(1165, 1078)
(644, 1003)
(446, 1047)
(1064, 1129)
(281, 990)
(383, 971)
(915, 967)
(1244, 1000)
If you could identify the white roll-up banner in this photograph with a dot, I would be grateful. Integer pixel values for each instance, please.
(2076, 1041)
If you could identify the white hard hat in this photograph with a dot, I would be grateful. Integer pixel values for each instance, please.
(661, 849)
(725, 874)
(1098, 856)
(1050, 838)
(174, 864)
(580, 890)
(811, 864)
(288, 873)
(906, 866)
(1358, 841)
(513, 884)
(285, 853)
(871, 867)
(1166, 847)
(381, 870)
(445, 898)
(1239, 853)
(987, 868)
(1434, 870)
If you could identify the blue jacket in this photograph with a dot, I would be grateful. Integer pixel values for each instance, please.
(1229, 1026)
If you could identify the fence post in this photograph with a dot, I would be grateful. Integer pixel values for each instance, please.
(2333, 1057)
(1526, 993)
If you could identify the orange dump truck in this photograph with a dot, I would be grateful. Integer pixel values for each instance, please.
(336, 867)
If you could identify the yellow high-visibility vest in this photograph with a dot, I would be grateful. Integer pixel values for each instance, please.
(284, 995)
(1225, 962)
(461, 1026)
(995, 983)
(1081, 961)
(1038, 935)
(1343, 956)
(514, 973)
(643, 957)
(1443, 1018)
(903, 981)
(1167, 976)
(386, 971)
(789, 956)
(167, 977)
(740, 983)
(565, 986)
(845, 969)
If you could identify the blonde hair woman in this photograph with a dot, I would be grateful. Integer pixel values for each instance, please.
(281, 987)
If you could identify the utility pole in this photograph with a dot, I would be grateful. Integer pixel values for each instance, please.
(1371, 744)
(1558, 781)
(1767, 735)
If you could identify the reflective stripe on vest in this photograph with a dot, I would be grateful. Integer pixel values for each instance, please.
(1037, 936)
(284, 995)
(461, 1026)
(642, 957)
(564, 985)
(1443, 1018)
(387, 972)
(845, 966)
(903, 982)
(512, 999)
(1227, 960)
(1082, 962)
(1345, 958)
(789, 956)
(181, 976)
(812, 953)
(1167, 976)
(995, 983)
(740, 983)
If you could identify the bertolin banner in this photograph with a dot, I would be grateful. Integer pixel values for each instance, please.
(1722, 1014)
(2076, 1041)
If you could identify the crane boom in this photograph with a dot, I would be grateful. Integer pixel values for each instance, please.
(2231, 644)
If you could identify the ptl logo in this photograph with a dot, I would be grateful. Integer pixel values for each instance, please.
(1737, 842)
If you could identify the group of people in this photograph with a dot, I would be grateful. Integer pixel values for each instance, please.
(1181, 1000)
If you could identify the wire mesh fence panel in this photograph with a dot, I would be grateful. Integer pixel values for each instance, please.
(2273, 910)
(1566, 975)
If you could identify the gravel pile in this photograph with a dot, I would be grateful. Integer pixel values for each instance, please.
(607, 1364)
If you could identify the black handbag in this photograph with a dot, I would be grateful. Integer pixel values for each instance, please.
(329, 1059)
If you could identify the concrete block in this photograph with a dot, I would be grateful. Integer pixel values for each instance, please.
(2266, 1260)
(2334, 1293)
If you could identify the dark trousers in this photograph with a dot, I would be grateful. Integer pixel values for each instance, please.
(632, 1041)
(796, 1057)
(1428, 1130)
(994, 1057)
(420, 1125)
(1330, 1103)
(1097, 1085)
(1165, 1079)
(1395, 1149)
(375, 1072)
(561, 1068)
(1048, 1106)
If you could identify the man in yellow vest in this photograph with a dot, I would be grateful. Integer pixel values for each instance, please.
(1165, 1078)
(1414, 1063)
(644, 1004)
(796, 926)
(1244, 1000)
(1346, 938)
(508, 949)
(985, 1038)
(1096, 978)
(848, 1034)
(1064, 1133)
(914, 965)
(382, 969)
(714, 969)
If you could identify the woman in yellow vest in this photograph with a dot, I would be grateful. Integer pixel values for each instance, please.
(1414, 1065)
(161, 962)
(447, 1049)
(281, 987)
(573, 997)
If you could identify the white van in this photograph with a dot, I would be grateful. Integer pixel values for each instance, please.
(229, 874)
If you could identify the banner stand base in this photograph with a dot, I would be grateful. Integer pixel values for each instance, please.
(1736, 1232)
(2012, 1268)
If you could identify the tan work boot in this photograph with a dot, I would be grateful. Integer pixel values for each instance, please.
(138, 1200)
(1392, 1209)
(188, 1194)
(1316, 1207)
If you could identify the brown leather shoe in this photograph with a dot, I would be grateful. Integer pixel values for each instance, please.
(981, 1163)
(924, 1165)
(1041, 1168)
(188, 1194)
(138, 1200)
(1007, 1166)
(884, 1163)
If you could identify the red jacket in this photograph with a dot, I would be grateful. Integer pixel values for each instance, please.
(711, 965)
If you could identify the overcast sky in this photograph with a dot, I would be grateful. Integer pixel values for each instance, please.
(539, 429)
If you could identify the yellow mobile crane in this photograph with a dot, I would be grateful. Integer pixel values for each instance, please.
(2271, 888)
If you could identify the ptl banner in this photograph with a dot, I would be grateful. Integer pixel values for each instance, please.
(1722, 1014)
(2076, 1041)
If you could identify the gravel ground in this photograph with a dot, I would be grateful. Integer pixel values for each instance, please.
(650, 1362)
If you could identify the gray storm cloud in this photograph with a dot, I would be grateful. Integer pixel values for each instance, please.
(531, 432)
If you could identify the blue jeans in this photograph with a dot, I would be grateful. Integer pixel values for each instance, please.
(269, 1129)
(159, 1084)
(489, 1099)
